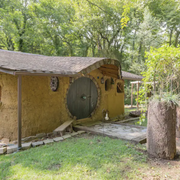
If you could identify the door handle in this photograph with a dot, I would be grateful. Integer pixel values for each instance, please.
(84, 97)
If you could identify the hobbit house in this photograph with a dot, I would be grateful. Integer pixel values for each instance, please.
(38, 93)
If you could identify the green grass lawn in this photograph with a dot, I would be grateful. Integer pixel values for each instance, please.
(82, 157)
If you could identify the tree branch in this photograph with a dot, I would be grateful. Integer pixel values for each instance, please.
(98, 7)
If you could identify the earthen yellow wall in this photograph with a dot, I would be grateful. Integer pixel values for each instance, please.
(41, 107)
(44, 110)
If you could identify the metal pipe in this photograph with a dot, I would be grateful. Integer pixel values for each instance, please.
(131, 95)
(19, 110)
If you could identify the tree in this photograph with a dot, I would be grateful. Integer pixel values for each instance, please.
(163, 70)
(169, 13)
(14, 24)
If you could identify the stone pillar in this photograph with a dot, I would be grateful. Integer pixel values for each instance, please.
(178, 122)
(161, 130)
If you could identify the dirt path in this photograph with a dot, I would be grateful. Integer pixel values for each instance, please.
(162, 169)
(159, 169)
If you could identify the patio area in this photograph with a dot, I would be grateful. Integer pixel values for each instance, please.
(117, 130)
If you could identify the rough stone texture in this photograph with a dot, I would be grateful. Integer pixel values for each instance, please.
(50, 134)
(41, 135)
(44, 110)
(48, 141)
(74, 133)
(58, 139)
(81, 132)
(30, 138)
(26, 146)
(3, 145)
(38, 143)
(120, 131)
(178, 122)
(161, 136)
(3, 150)
(66, 136)
(11, 149)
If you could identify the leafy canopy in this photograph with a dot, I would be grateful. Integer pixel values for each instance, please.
(163, 71)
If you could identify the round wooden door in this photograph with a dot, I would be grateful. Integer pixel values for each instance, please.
(82, 97)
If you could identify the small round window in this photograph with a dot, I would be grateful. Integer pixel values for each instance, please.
(120, 88)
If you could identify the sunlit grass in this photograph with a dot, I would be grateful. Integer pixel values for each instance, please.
(83, 157)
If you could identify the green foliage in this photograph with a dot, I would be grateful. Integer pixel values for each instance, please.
(162, 74)
(163, 67)
(127, 92)
(142, 120)
(118, 29)
(125, 13)
(75, 28)
(169, 98)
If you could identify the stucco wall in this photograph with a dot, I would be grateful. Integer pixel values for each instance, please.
(41, 107)
(44, 110)
(8, 106)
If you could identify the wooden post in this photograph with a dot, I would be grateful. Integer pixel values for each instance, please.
(137, 95)
(131, 95)
(19, 111)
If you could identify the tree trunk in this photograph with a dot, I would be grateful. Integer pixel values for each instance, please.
(161, 132)
(133, 47)
(170, 37)
(176, 39)
(93, 50)
(178, 122)
(139, 51)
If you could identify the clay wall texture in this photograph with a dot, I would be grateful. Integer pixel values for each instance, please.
(44, 110)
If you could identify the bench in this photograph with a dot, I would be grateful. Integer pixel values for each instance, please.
(65, 126)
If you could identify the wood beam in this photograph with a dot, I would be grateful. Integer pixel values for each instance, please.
(110, 66)
(19, 110)
(114, 71)
(110, 74)
(137, 95)
(132, 95)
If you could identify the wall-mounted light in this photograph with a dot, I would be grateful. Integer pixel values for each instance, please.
(102, 80)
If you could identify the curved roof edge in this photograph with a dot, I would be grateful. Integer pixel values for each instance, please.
(17, 63)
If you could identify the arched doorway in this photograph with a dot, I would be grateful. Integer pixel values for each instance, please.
(82, 97)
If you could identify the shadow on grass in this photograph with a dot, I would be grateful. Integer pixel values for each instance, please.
(87, 157)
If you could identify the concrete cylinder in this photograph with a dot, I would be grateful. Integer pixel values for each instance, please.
(161, 130)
